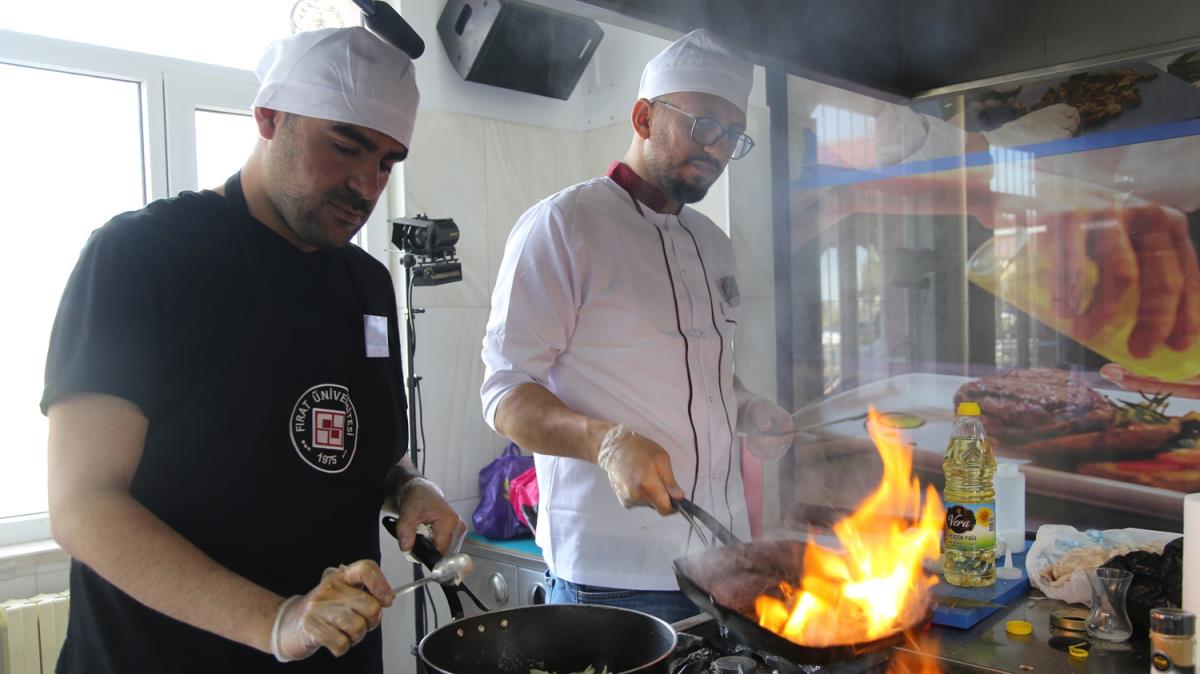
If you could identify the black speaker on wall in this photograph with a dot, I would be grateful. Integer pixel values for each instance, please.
(518, 45)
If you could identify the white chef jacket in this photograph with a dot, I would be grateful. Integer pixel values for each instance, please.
(630, 318)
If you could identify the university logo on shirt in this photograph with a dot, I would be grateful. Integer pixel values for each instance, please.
(324, 427)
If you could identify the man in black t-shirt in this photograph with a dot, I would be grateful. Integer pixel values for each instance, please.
(225, 397)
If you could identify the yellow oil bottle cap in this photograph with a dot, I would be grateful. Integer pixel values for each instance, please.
(1018, 628)
(968, 409)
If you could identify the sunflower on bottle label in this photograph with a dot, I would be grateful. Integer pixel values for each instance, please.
(970, 526)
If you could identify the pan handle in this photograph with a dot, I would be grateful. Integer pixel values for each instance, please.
(424, 550)
(693, 512)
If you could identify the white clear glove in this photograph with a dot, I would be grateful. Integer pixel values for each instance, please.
(1053, 122)
(424, 510)
(336, 614)
(639, 470)
(769, 429)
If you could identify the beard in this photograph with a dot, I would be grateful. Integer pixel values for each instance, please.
(303, 215)
(666, 175)
(683, 191)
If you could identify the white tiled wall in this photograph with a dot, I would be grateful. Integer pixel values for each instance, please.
(524, 165)
(445, 176)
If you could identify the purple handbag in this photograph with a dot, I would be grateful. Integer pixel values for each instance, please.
(494, 517)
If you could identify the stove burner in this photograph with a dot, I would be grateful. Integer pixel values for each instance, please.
(706, 648)
(734, 664)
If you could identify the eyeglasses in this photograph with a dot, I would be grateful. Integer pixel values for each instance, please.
(707, 131)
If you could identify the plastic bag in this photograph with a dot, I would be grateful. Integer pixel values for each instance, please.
(525, 497)
(1157, 581)
(1060, 556)
(494, 516)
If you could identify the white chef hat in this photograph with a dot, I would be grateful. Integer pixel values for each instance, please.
(701, 62)
(344, 75)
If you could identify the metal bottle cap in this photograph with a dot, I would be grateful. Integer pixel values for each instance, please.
(1172, 621)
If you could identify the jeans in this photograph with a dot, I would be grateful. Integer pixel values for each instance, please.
(670, 606)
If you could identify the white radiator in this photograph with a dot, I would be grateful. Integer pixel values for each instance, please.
(32, 632)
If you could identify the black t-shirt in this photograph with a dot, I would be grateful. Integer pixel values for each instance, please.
(275, 406)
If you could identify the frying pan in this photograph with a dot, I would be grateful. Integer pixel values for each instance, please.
(724, 582)
(558, 638)
(553, 637)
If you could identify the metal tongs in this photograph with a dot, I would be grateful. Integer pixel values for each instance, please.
(692, 512)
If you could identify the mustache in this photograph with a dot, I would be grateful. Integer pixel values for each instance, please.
(351, 202)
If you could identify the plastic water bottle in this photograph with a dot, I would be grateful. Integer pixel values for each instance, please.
(969, 544)
(1010, 506)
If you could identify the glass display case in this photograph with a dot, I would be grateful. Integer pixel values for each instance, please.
(1029, 247)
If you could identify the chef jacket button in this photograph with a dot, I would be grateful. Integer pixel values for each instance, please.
(683, 273)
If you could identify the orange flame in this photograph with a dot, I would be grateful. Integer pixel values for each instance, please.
(875, 587)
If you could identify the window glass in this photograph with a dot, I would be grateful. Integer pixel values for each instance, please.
(223, 141)
(68, 168)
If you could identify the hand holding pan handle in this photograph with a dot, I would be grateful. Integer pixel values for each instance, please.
(692, 512)
(424, 550)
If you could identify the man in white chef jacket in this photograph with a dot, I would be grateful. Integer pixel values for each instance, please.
(609, 350)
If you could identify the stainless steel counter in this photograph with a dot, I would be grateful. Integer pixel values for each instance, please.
(988, 647)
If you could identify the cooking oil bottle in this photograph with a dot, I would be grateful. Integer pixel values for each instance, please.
(969, 544)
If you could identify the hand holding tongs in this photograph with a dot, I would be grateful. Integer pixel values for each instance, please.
(692, 512)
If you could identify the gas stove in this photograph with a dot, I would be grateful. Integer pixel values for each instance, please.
(705, 648)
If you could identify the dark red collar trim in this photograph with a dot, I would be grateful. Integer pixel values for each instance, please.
(636, 186)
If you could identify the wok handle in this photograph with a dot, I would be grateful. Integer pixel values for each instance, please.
(714, 525)
(424, 550)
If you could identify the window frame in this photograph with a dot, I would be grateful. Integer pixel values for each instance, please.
(170, 91)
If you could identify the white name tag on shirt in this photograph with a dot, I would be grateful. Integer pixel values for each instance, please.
(375, 329)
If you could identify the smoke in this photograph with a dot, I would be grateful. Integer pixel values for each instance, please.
(829, 479)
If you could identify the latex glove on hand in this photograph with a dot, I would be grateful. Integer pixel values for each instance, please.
(1053, 122)
(336, 614)
(639, 470)
(769, 429)
(422, 502)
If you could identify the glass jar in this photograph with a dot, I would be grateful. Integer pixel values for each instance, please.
(1172, 641)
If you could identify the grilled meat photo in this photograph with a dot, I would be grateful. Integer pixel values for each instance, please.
(1021, 406)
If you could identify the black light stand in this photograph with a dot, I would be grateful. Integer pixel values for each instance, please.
(427, 253)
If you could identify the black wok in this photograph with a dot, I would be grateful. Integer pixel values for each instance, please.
(724, 582)
(560, 638)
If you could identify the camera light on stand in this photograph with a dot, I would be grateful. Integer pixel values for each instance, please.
(428, 249)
